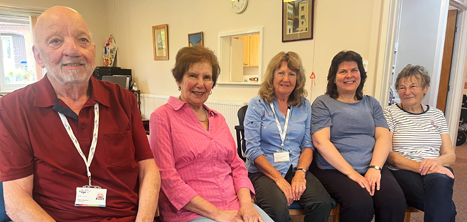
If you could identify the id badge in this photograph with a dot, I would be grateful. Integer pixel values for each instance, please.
(90, 196)
(280, 157)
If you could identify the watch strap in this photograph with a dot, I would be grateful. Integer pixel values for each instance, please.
(302, 169)
(375, 167)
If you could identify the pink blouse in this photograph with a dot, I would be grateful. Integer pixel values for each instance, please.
(193, 161)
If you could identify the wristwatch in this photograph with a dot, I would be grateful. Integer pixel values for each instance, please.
(302, 169)
(374, 166)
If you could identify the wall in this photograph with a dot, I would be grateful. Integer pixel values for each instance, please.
(418, 36)
(92, 11)
(339, 25)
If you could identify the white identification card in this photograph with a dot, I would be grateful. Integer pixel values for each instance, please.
(281, 157)
(90, 197)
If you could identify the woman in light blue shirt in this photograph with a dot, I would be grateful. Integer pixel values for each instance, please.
(278, 143)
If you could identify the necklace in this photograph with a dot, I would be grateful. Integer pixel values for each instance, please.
(205, 112)
(421, 107)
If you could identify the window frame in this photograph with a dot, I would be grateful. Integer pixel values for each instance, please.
(9, 10)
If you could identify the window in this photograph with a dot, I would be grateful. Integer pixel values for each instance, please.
(240, 55)
(17, 64)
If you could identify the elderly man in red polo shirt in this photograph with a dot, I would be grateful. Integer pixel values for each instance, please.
(69, 137)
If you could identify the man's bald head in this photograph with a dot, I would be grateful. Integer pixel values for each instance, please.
(63, 45)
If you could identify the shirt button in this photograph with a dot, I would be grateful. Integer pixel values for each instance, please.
(83, 126)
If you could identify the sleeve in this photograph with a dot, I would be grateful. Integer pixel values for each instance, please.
(239, 171)
(441, 122)
(378, 115)
(177, 191)
(16, 153)
(320, 115)
(252, 123)
(306, 142)
(388, 115)
(140, 139)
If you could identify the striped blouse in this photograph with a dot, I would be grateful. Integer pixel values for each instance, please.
(416, 136)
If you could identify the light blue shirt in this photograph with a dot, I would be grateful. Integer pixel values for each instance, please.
(262, 135)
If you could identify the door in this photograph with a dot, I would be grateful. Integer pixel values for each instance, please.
(447, 59)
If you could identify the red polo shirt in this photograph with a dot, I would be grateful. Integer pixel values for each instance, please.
(34, 141)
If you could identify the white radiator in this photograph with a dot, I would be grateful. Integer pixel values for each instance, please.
(228, 109)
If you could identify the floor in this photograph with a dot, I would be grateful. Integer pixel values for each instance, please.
(460, 189)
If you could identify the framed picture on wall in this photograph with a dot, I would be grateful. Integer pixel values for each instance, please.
(297, 20)
(195, 39)
(160, 39)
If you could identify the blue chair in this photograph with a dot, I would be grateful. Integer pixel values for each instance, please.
(3, 216)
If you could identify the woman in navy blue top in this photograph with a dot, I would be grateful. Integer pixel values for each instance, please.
(278, 143)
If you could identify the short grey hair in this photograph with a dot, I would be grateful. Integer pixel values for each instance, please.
(417, 71)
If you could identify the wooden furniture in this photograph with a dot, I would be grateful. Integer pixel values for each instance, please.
(250, 50)
(335, 213)
(408, 211)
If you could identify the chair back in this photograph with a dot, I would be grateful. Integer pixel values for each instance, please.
(241, 146)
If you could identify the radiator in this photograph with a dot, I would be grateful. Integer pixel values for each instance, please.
(228, 109)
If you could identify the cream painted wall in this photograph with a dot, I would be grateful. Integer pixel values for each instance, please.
(339, 25)
(93, 12)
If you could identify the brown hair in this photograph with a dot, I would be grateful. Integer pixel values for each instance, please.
(266, 91)
(345, 56)
(188, 56)
(417, 71)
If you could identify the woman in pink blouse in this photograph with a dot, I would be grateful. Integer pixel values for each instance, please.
(203, 179)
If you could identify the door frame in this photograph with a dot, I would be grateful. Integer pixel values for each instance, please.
(390, 11)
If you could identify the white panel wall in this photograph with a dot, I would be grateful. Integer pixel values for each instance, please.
(418, 36)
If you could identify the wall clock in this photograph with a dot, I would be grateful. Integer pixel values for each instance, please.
(239, 6)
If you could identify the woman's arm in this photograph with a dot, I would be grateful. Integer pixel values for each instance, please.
(322, 142)
(247, 211)
(204, 208)
(405, 163)
(299, 180)
(447, 157)
(380, 153)
(267, 169)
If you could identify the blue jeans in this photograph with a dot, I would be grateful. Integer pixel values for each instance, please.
(3, 216)
(431, 193)
(263, 215)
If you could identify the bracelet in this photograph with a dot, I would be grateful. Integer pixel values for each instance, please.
(302, 169)
(375, 167)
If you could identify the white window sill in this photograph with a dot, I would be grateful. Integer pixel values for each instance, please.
(240, 83)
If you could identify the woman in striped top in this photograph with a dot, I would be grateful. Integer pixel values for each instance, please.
(422, 149)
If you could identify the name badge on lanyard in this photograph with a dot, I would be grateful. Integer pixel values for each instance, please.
(88, 195)
(282, 156)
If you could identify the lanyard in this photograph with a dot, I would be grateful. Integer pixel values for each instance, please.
(92, 150)
(286, 125)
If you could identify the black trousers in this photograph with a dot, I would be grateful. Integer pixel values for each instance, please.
(387, 204)
(315, 200)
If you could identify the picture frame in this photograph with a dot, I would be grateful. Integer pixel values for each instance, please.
(297, 20)
(160, 39)
(196, 39)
